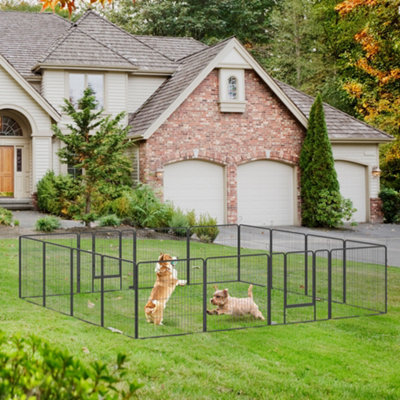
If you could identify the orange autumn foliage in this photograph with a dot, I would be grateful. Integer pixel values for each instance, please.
(347, 6)
(69, 4)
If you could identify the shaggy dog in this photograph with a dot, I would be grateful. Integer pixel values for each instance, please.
(166, 282)
(233, 305)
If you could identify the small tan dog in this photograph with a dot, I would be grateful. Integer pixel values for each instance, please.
(166, 282)
(233, 305)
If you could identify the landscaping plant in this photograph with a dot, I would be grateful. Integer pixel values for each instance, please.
(47, 224)
(97, 145)
(322, 203)
(110, 220)
(390, 205)
(31, 368)
(5, 217)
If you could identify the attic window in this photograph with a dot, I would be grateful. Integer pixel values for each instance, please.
(9, 127)
(232, 88)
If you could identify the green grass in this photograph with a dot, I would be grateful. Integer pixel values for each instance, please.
(337, 359)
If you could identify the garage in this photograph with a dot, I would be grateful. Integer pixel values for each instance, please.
(352, 181)
(197, 185)
(266, 193)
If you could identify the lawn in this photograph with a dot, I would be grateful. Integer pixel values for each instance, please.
(344, 359)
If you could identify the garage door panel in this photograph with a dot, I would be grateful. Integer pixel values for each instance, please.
(352, 181)
(265, 193)
(196, 185)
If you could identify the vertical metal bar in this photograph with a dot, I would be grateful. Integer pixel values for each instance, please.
(284, 288)
(71, 277)
(344, 271)
(78, 263)
(134, 256)
(271, 250)
(120, 259)
(102, 293)
(314, 284)
(204, 295)
(188, 230)
(93, 259)
(238, 251)
(386, 281)
(269, 289)
(306, 265)
(136, 289)
(44, 273)
(20, 267)
(329, 284)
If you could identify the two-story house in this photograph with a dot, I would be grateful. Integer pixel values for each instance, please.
(213, 131)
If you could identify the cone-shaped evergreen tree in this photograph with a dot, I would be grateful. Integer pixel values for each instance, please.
(318, 173)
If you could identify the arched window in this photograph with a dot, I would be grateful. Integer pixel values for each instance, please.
(232, 88)
(9, 127)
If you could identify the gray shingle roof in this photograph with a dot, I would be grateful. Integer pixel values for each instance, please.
(79, 48)
(138, 53)
(25, 37)
(174, 48)
(341, 126)
(169, 91)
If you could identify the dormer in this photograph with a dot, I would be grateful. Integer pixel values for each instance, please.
(232, 91)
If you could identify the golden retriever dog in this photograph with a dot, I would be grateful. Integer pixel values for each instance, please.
(166, 282)
(234, 305)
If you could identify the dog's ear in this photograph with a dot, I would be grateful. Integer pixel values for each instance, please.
(225, 292)
(215, 287)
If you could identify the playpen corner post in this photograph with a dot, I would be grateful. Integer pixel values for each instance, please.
(204, 295)
(188, 234)
(344, 271)
(271, 250)
(136, 295)
(120, 258)
(314, 283)
(20, 267)
(306, 265)
(284, 287)
(44, 272)
(238, 251)
(386, 280)
(93, 258)
(102, 291)
(71, 285)
(78, 263)
(269, 290)
(330, 284)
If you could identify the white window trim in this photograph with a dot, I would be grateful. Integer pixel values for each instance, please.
(227, 104)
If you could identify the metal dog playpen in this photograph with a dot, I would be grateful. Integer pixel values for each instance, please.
(105, 277)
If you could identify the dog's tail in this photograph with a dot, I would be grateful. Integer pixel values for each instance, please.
(250, 291)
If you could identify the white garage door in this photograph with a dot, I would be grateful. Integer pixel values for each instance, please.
(352, 183)
(197, 185)
(265, 193)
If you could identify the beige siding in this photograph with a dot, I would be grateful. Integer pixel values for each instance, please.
(42, 156)
(116, 90)
(364, 154)
(12, 95)
(53, 87)
(140, 89)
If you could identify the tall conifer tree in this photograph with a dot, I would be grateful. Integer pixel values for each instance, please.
(318, 172)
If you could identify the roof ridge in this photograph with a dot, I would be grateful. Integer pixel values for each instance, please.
(87, 13)
(75, 28)
(206, 48)
(335, 109)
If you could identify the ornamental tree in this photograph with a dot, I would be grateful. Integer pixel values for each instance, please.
(322, 204)
(96, 145)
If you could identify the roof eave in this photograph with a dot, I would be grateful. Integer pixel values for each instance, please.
(361, 140)
(41, 66)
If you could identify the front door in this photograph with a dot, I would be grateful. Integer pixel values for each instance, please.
(6, 171)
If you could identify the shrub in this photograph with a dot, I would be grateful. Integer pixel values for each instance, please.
(110, 220)
(33, 369)
(206, 229)
(332, 209)
(47, 224)
(390, 205)
(5, 217)
(191, 217)
(16, 222)
(179, 220)
(58, 195)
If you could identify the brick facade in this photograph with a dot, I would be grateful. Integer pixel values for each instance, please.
(376, 214)
(228, 139)
(198, 130)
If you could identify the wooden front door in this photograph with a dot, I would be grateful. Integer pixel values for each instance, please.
(6, 171)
